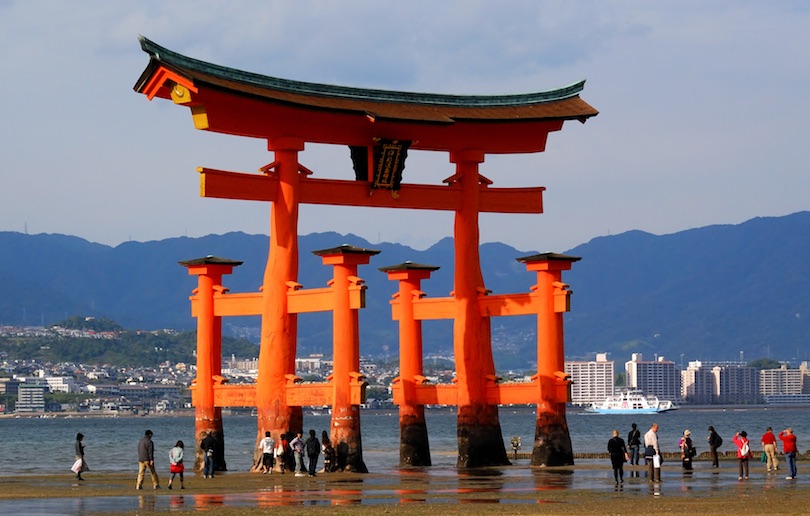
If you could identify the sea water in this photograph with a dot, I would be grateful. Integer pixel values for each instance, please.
(46, 445)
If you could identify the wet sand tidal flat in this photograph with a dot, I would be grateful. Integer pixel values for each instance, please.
(586, 488)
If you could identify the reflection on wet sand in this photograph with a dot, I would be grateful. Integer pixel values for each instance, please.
(511, 485)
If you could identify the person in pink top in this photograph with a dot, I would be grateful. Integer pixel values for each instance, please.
(789, 447)
(769, 447)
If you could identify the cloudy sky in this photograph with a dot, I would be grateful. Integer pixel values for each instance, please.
(703, 111)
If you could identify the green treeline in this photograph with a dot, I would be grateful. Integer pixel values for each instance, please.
(127, 348)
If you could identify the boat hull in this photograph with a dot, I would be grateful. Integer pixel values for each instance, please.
(629, 411)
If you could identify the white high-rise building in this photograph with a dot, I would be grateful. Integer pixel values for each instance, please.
(785, 385)
(697, 384)
(736, 385)
(659, 377)
(593, 381)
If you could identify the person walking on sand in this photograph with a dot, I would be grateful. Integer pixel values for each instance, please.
(176, 463)
(770, 448)
(313, 449)
(208, 445)
(634, 443)
(652, 453)
(297, 446)
(79, 466)
(789, 447)
(743, 453)
(268, 448)
(618, 456)
(146, 459)
(715, 441)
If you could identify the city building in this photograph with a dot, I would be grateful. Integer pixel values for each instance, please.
(698, 384)
(593, 381)
(63, 384)
(9, 386)
(31, 397)
(658, 377)
(785, 385)
(726, 383)
(737, 385)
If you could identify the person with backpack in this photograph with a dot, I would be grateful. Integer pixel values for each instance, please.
(313, 449)
(715, 442)
(687, 450)
(634, 444)
(743, 453)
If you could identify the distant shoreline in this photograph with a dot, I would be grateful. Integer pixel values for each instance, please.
(578, 410)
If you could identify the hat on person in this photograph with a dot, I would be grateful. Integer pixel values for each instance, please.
(687, 432)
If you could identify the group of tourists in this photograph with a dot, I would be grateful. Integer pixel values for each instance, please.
(648, 448)
(288, 453)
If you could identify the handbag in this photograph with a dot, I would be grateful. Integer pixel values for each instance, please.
(649, 451)
(764, 457)
(77, 466)
(177, 467)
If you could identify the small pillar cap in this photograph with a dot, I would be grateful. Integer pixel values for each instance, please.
(210, 260)
(409, 266)
(345, 249)
(549, 257)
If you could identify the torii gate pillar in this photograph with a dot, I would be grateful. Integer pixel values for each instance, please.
(480, 441)
(279, 326)
(345, 423)
(552, 441)
(414, 449)
(207, 417)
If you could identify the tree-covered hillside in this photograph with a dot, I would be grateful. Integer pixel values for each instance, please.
(93, 342)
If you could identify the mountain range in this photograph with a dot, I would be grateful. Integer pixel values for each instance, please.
(722, 292)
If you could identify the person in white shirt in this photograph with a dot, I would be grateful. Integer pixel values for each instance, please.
(652, 453)
(268, 448)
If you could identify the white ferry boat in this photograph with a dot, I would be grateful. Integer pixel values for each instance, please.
(632, 402)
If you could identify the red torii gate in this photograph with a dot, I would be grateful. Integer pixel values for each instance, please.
(379, 126)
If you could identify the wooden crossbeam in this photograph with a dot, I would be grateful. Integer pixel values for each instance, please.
(299, 301)
(490, 306)
(264, 187)
(445, 394)
(296, 394)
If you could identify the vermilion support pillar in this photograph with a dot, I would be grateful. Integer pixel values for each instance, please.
(552, 441)
(207, 417)
(279, 327)
(345, 423)
(414, 449)
(480, 442)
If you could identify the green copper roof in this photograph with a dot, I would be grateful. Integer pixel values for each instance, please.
(181, 62)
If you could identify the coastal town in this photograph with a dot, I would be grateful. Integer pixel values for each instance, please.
(46, 389)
